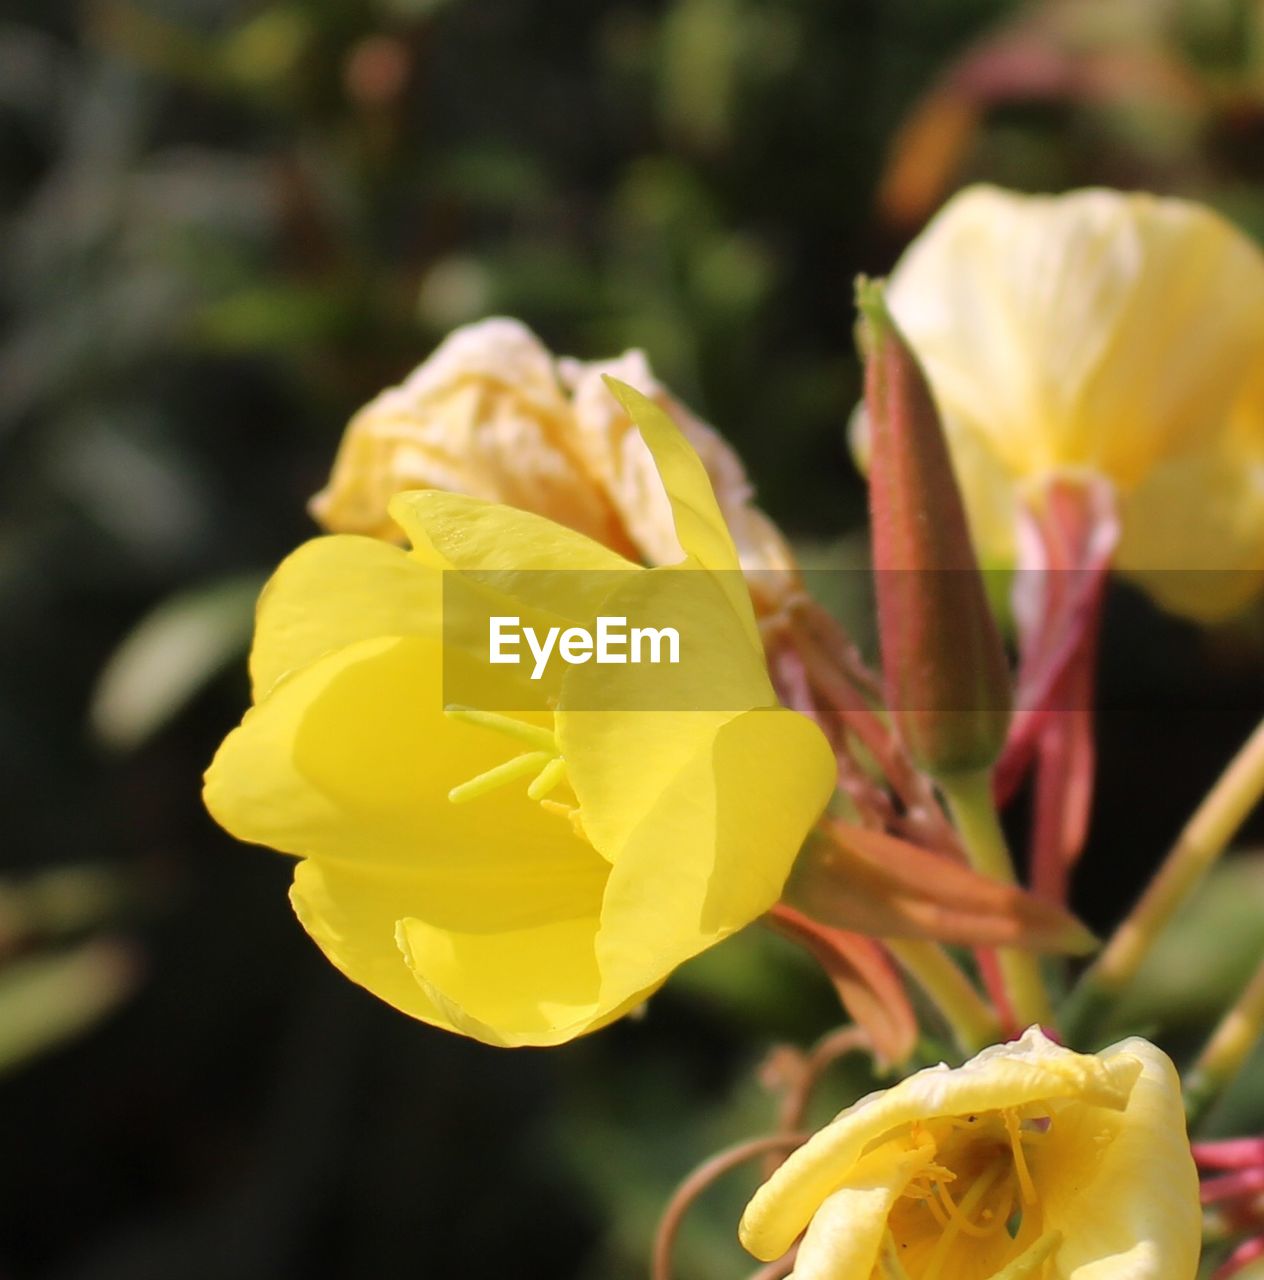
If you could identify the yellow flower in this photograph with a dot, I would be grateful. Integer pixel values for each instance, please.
(1029, 1160)
(520, 878)
(1099, 334)
(492, 413)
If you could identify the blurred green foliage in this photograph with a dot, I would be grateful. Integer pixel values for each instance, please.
(223, 226)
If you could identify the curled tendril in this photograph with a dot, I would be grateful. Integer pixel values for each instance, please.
(795, 1101)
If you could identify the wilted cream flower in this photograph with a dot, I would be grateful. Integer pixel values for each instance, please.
(1030, 1160)
(493, 414)
(1102, 335)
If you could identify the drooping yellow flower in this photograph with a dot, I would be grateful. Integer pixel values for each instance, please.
(1030, 1160)
(492, 413)
(1101, 335)
(526, 876)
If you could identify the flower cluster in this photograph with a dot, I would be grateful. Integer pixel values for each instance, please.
(1057, 386)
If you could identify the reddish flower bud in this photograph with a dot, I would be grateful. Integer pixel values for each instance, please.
(946, 676)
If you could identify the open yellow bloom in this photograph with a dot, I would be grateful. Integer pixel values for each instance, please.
(521, 878)
(492, 413)
(1029, 1160)
(1106, 335)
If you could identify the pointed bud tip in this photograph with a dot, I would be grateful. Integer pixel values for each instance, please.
(876, 323)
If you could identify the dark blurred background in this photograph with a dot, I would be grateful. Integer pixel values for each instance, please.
(223, 227)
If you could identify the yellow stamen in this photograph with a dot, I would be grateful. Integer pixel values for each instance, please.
(532, 734)
(969, 1202)
(963, 1223)
(567, 811)
(518, 767)
(991, 1220)
(936, 1209)
(1026, 1185)
(547, 779)
(545, 761)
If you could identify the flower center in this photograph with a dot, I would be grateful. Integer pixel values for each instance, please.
(543, 764)
(978, 1185)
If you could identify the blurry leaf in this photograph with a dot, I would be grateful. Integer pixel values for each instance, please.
(29, 61)
(268, 47)
(761, 983)
(1201, 961)
(702, 41)
(733, 274)
(133, 33)
(414, 8)
(47, 999)
(55, 904)
(169, 656)
(272, 316)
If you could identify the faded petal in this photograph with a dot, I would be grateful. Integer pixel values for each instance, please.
(484, 416)
(622, 463)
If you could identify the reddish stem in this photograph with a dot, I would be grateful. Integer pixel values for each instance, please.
(1230, 1153)
(698, 1182)
(1246, 1253)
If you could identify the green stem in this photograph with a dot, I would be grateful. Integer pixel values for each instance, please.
(1227, 1050)
(1205, 837)
(969, 797)
(973, 1023)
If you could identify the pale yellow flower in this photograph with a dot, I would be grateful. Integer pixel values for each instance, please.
(1102, 335)
(1029, 1160)
(493, 414)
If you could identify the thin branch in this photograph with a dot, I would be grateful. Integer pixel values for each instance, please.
(777, 1270)
(698, 1182)
(837, 1044)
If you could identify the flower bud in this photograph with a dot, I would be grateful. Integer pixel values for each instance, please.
(947, 682)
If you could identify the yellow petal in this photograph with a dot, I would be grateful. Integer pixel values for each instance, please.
(351, 912)
(504, 957)
(352, 758)
(712, 846)
(1127, 1208)
(537, 985)
(719, 668)
(700, 525)
(616, 454)
(1093, 330)
(1193, 535)
(472, 534)
(1193, 531)
(846, 1234)
(333, 592)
